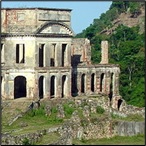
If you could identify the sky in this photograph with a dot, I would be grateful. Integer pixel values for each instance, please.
(82, 15)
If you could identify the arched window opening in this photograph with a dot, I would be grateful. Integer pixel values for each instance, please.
(83, 83)
(74, 85)
(119, 103)
(41, 87)
(19, 87)
(111, 88)
(52, 90)
(101, 82)
(2, 53)
(64, 86)
(2, 87)
(92, 82)
(1, 79)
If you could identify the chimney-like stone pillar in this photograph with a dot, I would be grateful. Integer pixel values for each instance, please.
(104, 52)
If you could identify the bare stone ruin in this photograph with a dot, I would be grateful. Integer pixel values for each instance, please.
(41, 59)
(104, 52)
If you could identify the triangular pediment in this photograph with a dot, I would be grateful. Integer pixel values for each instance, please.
(55, 28)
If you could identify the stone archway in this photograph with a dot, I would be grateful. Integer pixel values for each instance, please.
(19, 87)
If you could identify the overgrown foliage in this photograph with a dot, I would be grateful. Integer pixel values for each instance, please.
(26, 141)
(68, 110)
(126, 48)
(100, 110)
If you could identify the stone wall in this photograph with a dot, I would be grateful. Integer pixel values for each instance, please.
(8, 139)
(81, 51)
(87, 127)
(93, 129)
(130, 109)
(124, 128)
(27, 20)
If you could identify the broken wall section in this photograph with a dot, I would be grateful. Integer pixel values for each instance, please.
(80, 52)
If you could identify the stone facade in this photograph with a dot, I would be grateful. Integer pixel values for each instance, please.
(41, 59)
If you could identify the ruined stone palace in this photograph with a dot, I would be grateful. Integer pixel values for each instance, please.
(40, 58)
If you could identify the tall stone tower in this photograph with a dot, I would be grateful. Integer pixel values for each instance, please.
(104, 52)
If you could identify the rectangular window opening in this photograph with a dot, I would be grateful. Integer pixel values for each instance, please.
(52, 59)
(41, 55)
(2, 53)
(63, 54)
(20, 53)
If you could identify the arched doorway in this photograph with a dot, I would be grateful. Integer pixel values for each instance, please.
(119, 103)
(52, 87)
(83, 83)
(92, 82)
(101, 82)
(19, 87)
(74, 85)
(41, 87)
(111, 87)
(64, 86)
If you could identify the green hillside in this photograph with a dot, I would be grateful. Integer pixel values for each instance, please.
(123, 26)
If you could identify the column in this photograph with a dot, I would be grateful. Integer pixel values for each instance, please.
(104, 52)
(97, 88)
(88, 84)
(47, 87)
(37, 55)
(47, 55)
(68, 55)
(116, 84)
(79, 83)
(68, 85)
(58, 55)
(107, 83)
(58, 86)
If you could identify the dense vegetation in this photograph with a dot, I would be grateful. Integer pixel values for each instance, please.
(126, 48)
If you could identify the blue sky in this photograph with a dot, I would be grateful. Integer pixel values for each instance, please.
(82, 15)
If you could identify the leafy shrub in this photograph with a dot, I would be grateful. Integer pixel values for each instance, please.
(26, 141)
(68, 110)
(100, 110)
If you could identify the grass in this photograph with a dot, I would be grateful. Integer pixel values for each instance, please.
(136, 118)
(49, 138)
(35, 123)
(117, 140)
(37, 120)
(68, 110)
